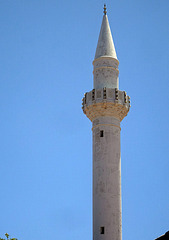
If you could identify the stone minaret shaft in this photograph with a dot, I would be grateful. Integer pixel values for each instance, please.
(106, 106)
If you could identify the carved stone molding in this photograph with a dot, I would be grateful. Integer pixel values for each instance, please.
(106, 109)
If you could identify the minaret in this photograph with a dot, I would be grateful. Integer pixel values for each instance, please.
(106, 106)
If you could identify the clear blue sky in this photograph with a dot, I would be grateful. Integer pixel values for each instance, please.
(46, 53)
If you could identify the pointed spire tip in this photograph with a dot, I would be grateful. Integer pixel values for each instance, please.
(105, 9)
(105, 45)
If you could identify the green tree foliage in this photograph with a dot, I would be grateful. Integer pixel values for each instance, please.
(7, 237)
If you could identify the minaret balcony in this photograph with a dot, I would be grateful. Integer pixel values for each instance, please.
(106, 102)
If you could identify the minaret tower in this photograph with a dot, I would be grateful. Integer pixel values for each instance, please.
(106, 106)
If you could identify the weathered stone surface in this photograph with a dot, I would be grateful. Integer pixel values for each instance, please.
(105, 46)
(106, 72)
(106, 178)
(106, 106)
(106, 102)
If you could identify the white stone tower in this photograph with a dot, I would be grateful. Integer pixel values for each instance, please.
(106, 106)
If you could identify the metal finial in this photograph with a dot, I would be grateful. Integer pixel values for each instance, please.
(105, 9)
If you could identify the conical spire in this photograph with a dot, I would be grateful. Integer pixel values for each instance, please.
(105, 45)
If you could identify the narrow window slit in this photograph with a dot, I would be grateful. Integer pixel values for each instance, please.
(101, 230)
(101, 133)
